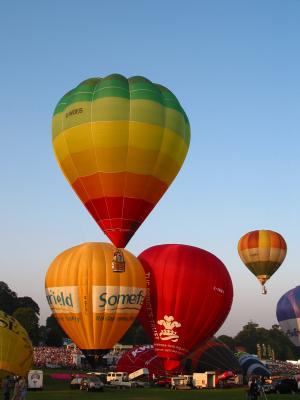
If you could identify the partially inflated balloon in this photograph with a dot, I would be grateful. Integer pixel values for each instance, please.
(120, 143)
(211, 355)
(141, 357)
(92, 304)
(252, 366)
(189, 296)
(16, 351)
(262, 251)
(288, 314)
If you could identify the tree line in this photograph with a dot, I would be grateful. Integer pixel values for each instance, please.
(266, 343)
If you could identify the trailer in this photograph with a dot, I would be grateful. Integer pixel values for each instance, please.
(139, 373)
(204, 379)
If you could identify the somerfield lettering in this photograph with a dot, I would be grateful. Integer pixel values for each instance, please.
(59, 299)
(114, 299)
(74, 112)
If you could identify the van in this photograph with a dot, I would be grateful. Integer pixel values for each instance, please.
(117, 376)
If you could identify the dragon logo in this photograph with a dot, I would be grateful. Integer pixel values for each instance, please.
(169, 324)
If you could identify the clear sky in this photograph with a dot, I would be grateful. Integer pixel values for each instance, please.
(234, 66)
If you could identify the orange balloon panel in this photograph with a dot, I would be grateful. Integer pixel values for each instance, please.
(94, 305)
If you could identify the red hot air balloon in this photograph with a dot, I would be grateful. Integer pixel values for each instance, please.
(189, 297)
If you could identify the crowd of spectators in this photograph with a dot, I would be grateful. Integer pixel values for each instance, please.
(66, 356)
(282, 368)
(69, 356)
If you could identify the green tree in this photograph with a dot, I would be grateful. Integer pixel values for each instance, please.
(29, 320)
(135, 335)
(248, 337)
(252, 335)
(283, 347)
(8, 299)
(54, 334)
(228, 340)
(28, 303)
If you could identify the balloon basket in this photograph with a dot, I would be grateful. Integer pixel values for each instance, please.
(118, 261)
(264, 290)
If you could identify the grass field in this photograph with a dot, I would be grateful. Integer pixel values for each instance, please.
(59, 390)
(150, 394)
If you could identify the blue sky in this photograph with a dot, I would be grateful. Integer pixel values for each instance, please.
(234, 66)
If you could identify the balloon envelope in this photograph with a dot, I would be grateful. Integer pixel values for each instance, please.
(288, 314)
(120, 143)
(262, 251)
(141, 357)
(16, 351)
(94, 305)
(211, 355)
(188, 298)
(251, 365)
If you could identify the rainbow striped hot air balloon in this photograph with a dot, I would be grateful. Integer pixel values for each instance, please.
(262, 251)
(120, 143)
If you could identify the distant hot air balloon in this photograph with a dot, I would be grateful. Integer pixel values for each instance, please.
(262, 251)
(120, 143)
(16, 351)
(94, 306)
(288, 314)
(189, 297)
(211, 355)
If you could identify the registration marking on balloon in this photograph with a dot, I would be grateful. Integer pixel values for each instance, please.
(169, 324)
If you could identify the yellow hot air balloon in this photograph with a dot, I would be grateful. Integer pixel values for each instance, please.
(92, 304)
(262, 251)
(16, 351)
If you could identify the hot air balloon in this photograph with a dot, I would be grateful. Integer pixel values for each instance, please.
(252, 365)
(94, 306)
(141, 357)
(262, 251)
(288, 314)
(16, 351)
(120, 143)
(189, 296)
(211, 355)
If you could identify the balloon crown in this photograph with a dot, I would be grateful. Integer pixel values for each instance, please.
(168, 333)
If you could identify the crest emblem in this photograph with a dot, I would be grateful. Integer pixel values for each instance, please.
(168, 332)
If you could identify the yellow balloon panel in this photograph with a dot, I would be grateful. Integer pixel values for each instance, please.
(16, 351)
(94, 305)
